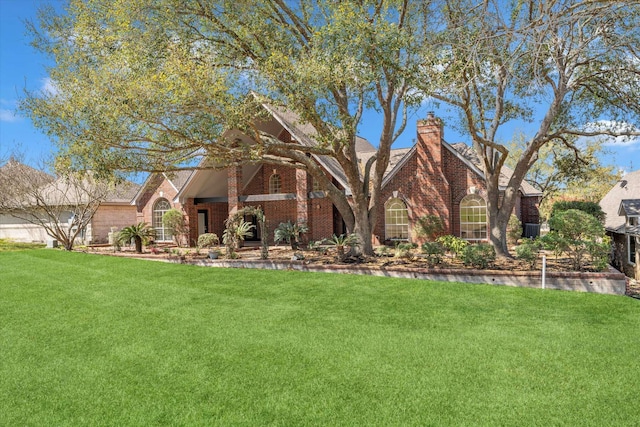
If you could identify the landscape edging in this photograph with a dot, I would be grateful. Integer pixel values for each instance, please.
(608, 282)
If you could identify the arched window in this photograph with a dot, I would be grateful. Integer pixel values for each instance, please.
(159, 208)
(275, 184)
(473, 218)
(396, 220)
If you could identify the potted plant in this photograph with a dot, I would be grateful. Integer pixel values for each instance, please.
(209, 240)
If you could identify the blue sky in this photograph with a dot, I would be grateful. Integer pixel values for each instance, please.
(22, 67)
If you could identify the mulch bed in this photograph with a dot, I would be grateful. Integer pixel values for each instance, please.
(280, 253)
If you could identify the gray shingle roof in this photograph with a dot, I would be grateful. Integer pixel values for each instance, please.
(628, 188)
(630, 207)
(505, 174)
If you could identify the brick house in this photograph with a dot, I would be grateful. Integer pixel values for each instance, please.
(621, 206)
(115, 211)
(432, 177)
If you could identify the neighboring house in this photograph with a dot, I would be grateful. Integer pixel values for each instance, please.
(115, 211)
(432, 177)
(622, 222)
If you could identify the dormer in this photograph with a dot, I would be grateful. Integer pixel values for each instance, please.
(630, 209)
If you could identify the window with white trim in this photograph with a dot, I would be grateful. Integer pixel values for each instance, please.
(396, 220)
(159, 208)
(275, 184)
(473, 218)
(631, 249)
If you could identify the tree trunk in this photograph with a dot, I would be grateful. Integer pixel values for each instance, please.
(138, 242)
(497, 233)
(362, 229)
(497, 220)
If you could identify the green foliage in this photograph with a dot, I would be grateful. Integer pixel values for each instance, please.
(578, 234)
(591, 208)
(236, 232)
(480, 256)
(342, 241)
(558, 172)
(453, 244)
(10, 245)
(404, 250)
(208, 240)
(290, 233)
(140, 233)
(528, 252)
(434, 253)
(174, 221)
(514, 229)
(429, 226)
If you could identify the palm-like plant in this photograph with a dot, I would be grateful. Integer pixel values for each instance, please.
(140, 233)
(290, 233)
(341, 241)
(234, 234)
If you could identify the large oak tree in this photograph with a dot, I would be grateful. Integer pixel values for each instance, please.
(570, 68)
(152, 84)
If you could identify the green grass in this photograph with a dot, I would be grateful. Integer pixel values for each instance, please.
(96, 340)
(10, 245)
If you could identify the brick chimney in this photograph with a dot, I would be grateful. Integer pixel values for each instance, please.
(433, 192)
(429, 145)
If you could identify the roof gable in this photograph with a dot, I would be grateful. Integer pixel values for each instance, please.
(628, 188)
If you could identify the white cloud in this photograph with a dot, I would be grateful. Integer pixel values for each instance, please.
(8, 116)
(615, 127)
(49, 86)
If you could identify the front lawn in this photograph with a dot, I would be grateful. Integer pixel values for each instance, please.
(87, 339)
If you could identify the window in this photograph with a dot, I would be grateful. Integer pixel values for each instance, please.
(160, 207)
(633, 220)
(631, 249)
(396, 220)
(473, 218)
(275, 184)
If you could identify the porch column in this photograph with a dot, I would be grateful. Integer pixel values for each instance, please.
(302, 197)
(234, 184)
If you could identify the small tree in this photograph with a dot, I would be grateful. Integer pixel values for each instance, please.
(579, 234)
(290, 233)
(62, 206)
(140, 233)
(592, 208)
(174, 221)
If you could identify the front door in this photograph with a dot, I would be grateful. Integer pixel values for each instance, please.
(203, 222)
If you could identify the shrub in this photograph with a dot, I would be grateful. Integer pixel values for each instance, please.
(290, 233)
(480, 255)
(592, 208)
(235, 232)
(600, 253)
(349, 240)
(404, 250)
(453, 244)
(528, 252)
(174, 221)
(140, 233)
(434, 252)
(514, 229)
(429, 226)
(577, 234)
(208, 240)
